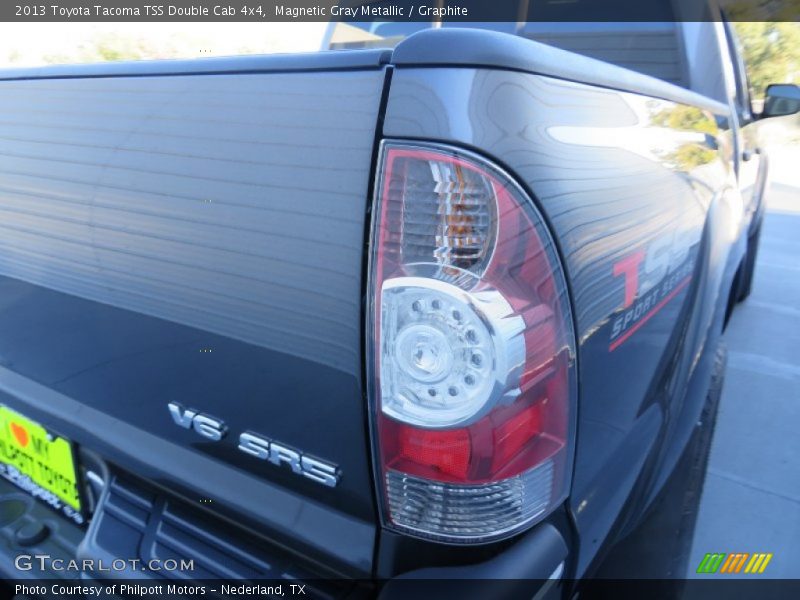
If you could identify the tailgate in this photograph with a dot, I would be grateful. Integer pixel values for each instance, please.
(197, 239)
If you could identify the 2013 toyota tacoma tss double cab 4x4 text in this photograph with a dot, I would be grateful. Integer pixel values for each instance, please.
(446, 310)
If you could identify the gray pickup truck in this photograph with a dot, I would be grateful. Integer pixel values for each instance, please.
(442, 310)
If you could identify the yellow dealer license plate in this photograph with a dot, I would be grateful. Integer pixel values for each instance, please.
(40, 463)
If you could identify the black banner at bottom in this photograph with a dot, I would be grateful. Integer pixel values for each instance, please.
(416, 589)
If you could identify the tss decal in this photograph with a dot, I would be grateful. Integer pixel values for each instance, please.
(652, 277)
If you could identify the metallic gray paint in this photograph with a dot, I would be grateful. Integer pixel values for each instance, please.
(196, 238)
(209, 201)
(489, 49)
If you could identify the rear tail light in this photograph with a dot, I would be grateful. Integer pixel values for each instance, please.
(473, 391)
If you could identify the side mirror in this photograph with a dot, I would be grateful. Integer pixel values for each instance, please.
(782, 99)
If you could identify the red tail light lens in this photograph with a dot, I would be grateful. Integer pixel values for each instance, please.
(472, 348)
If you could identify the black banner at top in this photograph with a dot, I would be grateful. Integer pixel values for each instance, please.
(432, 11)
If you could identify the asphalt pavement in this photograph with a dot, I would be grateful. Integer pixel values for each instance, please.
(751, 497)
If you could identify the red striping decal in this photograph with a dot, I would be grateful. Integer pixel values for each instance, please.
(616, 343)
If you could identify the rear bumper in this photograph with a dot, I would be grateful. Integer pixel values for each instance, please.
(132, 523)
(531, 568)
(139, 534)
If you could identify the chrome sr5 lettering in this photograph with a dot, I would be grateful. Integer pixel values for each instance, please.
(257, 445)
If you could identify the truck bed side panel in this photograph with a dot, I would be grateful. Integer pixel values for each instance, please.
(624, 179)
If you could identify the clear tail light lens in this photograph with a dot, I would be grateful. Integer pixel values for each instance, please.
(473, 388)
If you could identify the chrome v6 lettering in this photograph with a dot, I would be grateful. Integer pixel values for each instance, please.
(257, 445)
(209, 427)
